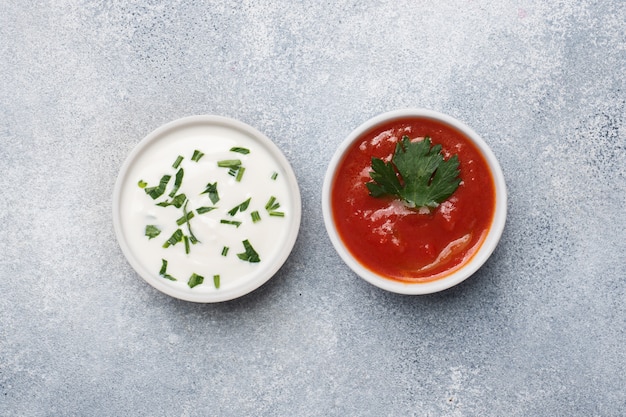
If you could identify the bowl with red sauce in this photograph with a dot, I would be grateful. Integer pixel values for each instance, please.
(385, 230)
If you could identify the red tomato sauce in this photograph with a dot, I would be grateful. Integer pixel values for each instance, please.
(401, 243)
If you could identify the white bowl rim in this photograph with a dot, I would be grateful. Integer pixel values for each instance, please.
(478, 259)
(269, 270)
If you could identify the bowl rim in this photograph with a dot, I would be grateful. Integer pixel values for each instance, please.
(256, 280)
(476, 261)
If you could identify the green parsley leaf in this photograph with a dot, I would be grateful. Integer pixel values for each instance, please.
(195, 280)
(152, 231)
(250, 255)
(417, 174)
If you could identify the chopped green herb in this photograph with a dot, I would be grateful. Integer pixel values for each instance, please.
(142, 184)
(156, 192)
(240, 207)
(185, 218)
(225, 251)
(250, 255)
(195, 280)
(197, 155)
(229, 163)
(274, 175)
(163, 271)
(202, 210)
(177, 182)
(243, 151)
(216, 281)
(176, 163)
(186, 241)
(176, 237)
(255, 216)
(239, 175)
(188, 216)
(211, 190)
(272, 206)
(152, 231)
(417, 174)
(233, 172)
(177, 201)
(231, 222)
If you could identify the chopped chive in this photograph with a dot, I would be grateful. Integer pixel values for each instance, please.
(216, 281)
(163, 271)
(195, 280)
(271, 203)
(193, 239)
(142, 184)
(225, 250)
(250, 255)
(177, 182)
(185, 218)
(197, 155)
(177, 201)
(255, 216)
(188, 216)
(243, 151)
(202, 210)
(176, 163)
(229, 163)
(176, 237)
(240, 207)
(239, 175)
(152, 231)
(274, 175)
(156, 192)
(231, 222)
(211, 190)
(186, 241)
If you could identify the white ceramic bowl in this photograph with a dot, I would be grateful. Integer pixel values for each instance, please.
(163, 143)
(458, 275)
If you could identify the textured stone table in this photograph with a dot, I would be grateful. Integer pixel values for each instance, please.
(540, 330)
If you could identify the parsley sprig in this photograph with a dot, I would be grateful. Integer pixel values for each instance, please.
(417, 174)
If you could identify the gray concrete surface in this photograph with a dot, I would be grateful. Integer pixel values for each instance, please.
(538, 331)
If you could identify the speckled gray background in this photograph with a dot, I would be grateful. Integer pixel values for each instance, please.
(540, 330)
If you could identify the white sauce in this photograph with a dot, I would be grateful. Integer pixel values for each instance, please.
(266, 236)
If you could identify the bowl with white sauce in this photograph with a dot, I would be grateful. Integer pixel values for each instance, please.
(206, 209)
